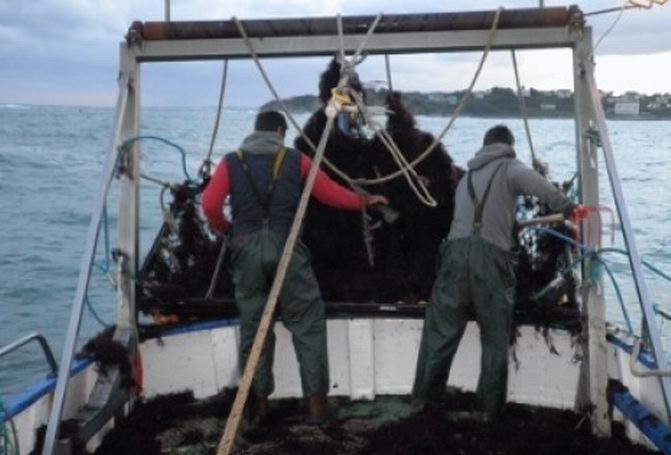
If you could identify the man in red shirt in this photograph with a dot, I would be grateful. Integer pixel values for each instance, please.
(265, 181)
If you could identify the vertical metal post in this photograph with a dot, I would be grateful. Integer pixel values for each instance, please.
(629, 239)
(167, 10)
(594, 369)
(60, 396)
(129, 197)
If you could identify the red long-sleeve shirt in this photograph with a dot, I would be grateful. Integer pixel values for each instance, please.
(324, 190)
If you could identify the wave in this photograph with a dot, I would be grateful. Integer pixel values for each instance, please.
(14, 106)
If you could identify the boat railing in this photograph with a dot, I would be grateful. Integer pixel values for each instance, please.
(635, 262)
(85, 270)
(41, 340)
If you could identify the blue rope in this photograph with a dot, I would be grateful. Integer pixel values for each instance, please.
(132, 140)
(94, 313)
(7, 445)
(589, 252)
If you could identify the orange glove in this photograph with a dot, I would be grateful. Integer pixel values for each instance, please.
(580, 212)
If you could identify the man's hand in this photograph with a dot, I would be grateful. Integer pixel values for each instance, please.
(373, 200)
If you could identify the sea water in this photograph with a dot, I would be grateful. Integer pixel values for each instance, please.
(51, 160)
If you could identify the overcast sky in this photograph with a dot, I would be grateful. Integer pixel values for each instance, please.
(65, 52)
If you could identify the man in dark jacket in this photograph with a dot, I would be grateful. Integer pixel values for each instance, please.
(265, 182)
(477, 271)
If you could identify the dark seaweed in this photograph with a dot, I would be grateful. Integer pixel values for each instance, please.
(429, 430)
(108, 353)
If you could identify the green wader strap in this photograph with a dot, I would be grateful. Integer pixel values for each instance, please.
(479, 205)
(264, 199)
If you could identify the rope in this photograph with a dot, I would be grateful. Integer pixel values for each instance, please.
(361, 182)
(612, 26)
(387, 66)
(206, 167)
(455, 114)
(414, 181)
(9, 445)
(537, 164)
(597, 253)
(132, 140)
(94, 313)
(283, 106)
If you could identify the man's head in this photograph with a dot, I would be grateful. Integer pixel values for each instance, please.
(271, 121)
(500, 134)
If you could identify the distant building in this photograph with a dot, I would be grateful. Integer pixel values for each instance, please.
(563, 93)
(627, 106)
(479, 95)
(452, 100)
(548, 106)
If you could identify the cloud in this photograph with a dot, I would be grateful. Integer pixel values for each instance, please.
(71, 46)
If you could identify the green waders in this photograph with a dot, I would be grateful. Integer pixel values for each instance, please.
(254, 262)
(476, 279)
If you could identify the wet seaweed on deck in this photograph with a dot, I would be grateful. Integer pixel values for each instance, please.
(391, 425)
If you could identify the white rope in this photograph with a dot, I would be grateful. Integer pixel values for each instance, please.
(414, 180)
(612, 26)
(387, 66)
(207, 162)
(283, 106)
(537, 164)
(354, 183)
(455, 114)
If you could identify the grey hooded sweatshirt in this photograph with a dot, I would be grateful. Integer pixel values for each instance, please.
(512, 180)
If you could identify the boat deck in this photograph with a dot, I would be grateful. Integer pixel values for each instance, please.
(177, 424)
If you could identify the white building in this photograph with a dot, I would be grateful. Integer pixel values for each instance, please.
(630, 107)
(548, 106)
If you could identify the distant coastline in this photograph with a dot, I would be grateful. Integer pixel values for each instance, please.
(501, 102)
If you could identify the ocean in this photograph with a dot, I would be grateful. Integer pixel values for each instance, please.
(50, 167)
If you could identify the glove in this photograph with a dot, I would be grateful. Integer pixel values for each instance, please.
(579, 213)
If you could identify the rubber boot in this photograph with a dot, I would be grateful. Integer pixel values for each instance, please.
(319, 409)
(261, 408)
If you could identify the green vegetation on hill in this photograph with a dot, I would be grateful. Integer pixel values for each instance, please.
(503, 102)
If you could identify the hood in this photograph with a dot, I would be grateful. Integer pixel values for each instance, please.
(262, 142)
(490, 153)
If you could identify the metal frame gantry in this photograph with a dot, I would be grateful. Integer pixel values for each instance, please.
(124, 162)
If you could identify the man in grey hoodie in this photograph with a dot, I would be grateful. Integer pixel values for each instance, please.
(476, 276)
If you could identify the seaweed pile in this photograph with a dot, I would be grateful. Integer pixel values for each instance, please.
(398, 266)
(404, 251)
(387, 426)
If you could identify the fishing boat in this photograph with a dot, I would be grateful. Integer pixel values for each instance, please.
(192, 341)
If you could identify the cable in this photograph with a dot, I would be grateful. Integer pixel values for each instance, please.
(588, 252)
(612, 26)
(455, 114)
(94, 313)
(8, 445)
(132, 140)
(537, 164)
(387, 66)
(207, 162)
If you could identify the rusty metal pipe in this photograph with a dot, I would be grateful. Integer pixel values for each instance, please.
(392, 23)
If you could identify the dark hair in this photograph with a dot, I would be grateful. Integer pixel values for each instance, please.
(499, 134)
(270, 121)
